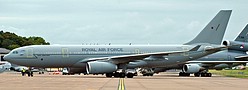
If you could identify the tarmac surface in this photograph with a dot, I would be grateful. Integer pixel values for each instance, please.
(163, 81)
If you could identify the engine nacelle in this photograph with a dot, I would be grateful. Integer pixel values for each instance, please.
(192, 68)
(220, 66)
(236, 45)
(97, 67)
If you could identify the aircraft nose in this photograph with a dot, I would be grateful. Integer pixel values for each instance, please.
(6, 57)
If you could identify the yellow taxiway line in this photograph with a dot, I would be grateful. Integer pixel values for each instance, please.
(121, 85)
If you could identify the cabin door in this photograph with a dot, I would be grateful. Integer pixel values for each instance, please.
(65, 52)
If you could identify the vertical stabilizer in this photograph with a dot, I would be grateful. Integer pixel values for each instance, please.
(213, 33)
(243, 36)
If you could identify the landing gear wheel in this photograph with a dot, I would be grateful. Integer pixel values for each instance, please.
(129, 75)
(116, 74)
(122, 75)
(206, 74)
(109, 75)
(184, 74)
(197, 74)
(181, 74)
(203, 74)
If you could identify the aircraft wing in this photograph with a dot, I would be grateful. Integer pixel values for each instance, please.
(132, 57)
(127, 58)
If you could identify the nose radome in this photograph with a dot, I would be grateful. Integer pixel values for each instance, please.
(6, 57)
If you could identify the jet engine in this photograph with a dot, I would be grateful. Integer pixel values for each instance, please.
(192, 68)
(97, 67)
(236, 45)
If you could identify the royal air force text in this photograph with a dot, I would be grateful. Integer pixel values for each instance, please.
(102, 49)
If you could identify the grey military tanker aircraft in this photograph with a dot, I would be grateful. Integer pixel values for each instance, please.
(235, 55)
(107, 59)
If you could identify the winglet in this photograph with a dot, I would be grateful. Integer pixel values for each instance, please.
(195, 48)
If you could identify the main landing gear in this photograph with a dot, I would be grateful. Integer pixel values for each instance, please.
(203, 74)
(147, 72)
(126, 73)
(119, 75)
(184, 74)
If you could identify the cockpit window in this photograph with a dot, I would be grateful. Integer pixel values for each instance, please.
(15, 52)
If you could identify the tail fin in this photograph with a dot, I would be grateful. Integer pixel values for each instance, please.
(213, 33)
(243, 36)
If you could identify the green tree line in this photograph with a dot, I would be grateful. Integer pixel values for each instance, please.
(11, 41)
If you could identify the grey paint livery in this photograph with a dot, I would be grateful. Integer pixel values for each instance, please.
(220, 60)
(77, 56)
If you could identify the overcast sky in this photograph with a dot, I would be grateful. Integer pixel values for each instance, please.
(118, 21)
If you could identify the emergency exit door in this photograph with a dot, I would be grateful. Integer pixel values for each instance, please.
(65, 52)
